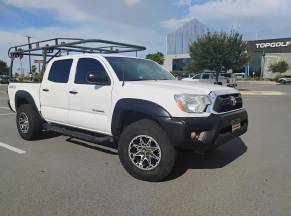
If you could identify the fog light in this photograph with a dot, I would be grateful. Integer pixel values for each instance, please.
(194, 135)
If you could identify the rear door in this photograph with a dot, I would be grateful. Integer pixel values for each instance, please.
(90, 102)
(54, 98)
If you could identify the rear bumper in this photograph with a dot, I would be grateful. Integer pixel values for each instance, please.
(214, 130)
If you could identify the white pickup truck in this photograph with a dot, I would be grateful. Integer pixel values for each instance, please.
(225, 79)
(131, 101)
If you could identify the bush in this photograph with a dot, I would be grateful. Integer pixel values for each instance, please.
(281, 67)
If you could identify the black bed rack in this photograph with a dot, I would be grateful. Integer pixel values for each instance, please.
(51, 48)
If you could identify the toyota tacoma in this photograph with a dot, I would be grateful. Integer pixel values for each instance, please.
(132, 101)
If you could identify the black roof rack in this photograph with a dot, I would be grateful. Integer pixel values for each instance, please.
(58, 46)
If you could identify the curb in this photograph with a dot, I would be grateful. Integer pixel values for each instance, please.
(257, 82)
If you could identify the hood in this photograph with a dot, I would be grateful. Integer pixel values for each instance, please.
(184, 87)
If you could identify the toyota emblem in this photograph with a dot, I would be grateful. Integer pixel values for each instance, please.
(232, 100)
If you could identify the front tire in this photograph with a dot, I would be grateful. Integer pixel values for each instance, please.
(28, 121)
(146, 152)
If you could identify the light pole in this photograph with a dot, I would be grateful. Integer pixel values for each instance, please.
(28, 40)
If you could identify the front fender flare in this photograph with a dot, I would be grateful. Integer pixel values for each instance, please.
(145, 107)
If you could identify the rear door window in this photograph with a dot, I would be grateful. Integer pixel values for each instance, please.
(60, 71)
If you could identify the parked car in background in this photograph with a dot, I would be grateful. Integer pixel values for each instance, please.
(230, 79)
(210, 78)
(284, 79)
(239, 75)
(4, 80)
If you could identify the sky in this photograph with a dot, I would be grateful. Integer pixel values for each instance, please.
(142, 22)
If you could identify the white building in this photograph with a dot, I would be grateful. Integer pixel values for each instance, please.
(178, 44)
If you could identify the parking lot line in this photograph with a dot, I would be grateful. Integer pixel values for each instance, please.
(11, 148)
(6, 114)
(263, 93)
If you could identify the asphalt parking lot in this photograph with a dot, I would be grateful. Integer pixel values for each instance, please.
(247, 176)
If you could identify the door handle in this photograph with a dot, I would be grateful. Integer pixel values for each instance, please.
(73, 92)
(45, 90)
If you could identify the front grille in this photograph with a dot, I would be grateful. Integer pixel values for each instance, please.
(225, 103)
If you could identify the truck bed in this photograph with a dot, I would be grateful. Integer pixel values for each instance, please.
(32, 88)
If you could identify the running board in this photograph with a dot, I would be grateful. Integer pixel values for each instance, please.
(79, 134)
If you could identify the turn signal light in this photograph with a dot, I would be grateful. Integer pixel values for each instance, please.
(194, 135)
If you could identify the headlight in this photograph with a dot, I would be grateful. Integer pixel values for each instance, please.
(192, 103)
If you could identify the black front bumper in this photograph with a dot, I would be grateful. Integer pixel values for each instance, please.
(214, 130)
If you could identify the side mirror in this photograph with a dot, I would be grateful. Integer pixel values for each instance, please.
(97, 78)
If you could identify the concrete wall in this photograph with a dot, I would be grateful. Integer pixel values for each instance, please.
(168, 63)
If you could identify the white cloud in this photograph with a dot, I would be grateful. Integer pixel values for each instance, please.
(229, 9)
(184, 2)
(132, 2)
(266, 17)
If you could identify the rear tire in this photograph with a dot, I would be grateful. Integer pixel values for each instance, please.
(29, 122)
(283, 82)
(145, 151)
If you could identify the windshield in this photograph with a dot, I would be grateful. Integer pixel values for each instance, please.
(138, 69)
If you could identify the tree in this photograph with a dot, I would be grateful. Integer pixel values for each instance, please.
(218, 52)
(4, 69)
(190, 68)
(281, 67)
(157, 57)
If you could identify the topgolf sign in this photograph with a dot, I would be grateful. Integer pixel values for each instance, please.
(282, 45)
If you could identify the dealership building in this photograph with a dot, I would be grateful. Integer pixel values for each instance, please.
(262, 52)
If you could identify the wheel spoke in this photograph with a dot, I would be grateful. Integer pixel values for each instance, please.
(141, 142)
(136, 146)
(149, 142)
(141, 161)
(152, 149)
(154, 156)
(137, 154)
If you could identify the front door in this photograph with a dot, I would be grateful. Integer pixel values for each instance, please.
(90, 101)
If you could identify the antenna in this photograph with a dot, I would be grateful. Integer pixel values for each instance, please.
(123, 78)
